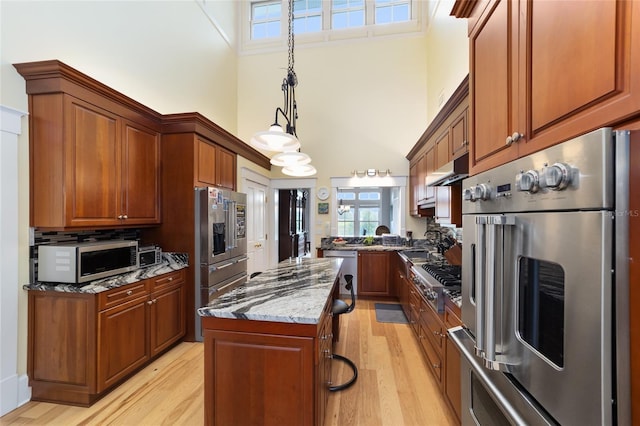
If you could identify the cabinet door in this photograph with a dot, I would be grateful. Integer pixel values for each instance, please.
(122, 341)
(430, 167)
(206, 163)
(577, 79)
(167, 323)
(414, 189)
(140, 175)
(493, 85)
(452, 376)
(226, 168)
(459, 138)
(252, 377)
(373, 274)
(443, 146)
(92, 161)
(61, 351)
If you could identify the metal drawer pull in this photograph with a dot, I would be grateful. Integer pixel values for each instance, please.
(129, 293)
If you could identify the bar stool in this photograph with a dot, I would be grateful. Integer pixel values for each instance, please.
(341, 307)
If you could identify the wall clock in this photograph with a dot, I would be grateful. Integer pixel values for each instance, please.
(323, 193)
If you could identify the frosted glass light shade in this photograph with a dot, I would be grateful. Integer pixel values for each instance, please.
(275, 139)
(304, 170)
(290, 158)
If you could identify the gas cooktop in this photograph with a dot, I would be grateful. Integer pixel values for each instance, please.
(446, 275)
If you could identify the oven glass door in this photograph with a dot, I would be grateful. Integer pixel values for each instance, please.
(541, 289)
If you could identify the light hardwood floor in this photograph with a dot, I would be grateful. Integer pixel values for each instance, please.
(394, 387)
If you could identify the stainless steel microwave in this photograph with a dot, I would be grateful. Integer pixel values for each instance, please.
(83, 262)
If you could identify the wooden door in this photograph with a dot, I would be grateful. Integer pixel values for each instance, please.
(580, 74)
(225, 168)
(207, 158)
(140, 175)
(167, 324)
(122, 341)
(443, 149)
(459, 132)
(430, 167)
(493, 85)
(373, 274)
(92, 161)
(414, 189)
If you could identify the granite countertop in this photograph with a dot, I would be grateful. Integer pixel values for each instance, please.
(170, 262)
(363, 247)
(295, 291)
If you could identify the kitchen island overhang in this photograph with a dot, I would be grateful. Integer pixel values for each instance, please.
(268, 346)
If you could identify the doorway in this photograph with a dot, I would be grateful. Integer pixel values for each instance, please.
(293, 224)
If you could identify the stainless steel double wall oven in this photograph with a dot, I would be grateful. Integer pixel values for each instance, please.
(544, 287)
(220, 246)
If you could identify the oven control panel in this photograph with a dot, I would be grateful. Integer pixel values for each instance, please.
(570, 175)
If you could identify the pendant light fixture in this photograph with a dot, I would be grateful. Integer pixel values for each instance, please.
(285, 141)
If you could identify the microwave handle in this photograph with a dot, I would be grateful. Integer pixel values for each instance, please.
(480, 276)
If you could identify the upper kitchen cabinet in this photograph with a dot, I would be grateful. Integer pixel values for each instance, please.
(440, 155)
(216, 165)
(94, 153)
(545, 71)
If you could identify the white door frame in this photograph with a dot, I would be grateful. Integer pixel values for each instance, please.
(13, 388)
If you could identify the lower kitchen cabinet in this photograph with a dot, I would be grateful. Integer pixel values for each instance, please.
(270, 372)
(374, 278)
(80, 345)
(430, 328)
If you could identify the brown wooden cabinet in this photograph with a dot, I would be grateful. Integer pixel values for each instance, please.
(459, 134)
(445, 139)
(97, 340)
(94, 154)
(539, 79)
(216, 165)
(374, 278)
(271, 372)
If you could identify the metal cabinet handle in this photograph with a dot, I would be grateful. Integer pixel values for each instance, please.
(150, 302)
(170, 278)
(436, 366)
(125, 216)
(129, 293)
(119, 216)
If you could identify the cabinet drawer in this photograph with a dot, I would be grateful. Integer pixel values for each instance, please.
(450, 319)
(433, 356)
(122, 294)
(433, 327)
(166, 280)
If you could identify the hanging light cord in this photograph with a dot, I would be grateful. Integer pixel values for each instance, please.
(289, 83)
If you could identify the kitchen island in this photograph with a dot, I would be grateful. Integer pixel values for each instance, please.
(268, 346)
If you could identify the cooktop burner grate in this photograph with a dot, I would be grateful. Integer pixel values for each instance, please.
(447, 275)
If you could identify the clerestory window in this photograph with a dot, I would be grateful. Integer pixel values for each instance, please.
(268, 17)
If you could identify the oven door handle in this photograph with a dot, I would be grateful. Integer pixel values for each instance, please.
(493, 223)
(480, 271)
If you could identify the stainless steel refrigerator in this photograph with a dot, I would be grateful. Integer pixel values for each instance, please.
(220, 244)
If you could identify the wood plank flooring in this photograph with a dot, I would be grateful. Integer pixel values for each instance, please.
(394, 387)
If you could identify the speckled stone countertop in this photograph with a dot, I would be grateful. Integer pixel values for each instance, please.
(170, 262)
(295, 291)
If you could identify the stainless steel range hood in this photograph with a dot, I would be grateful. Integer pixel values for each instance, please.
(450, 173)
